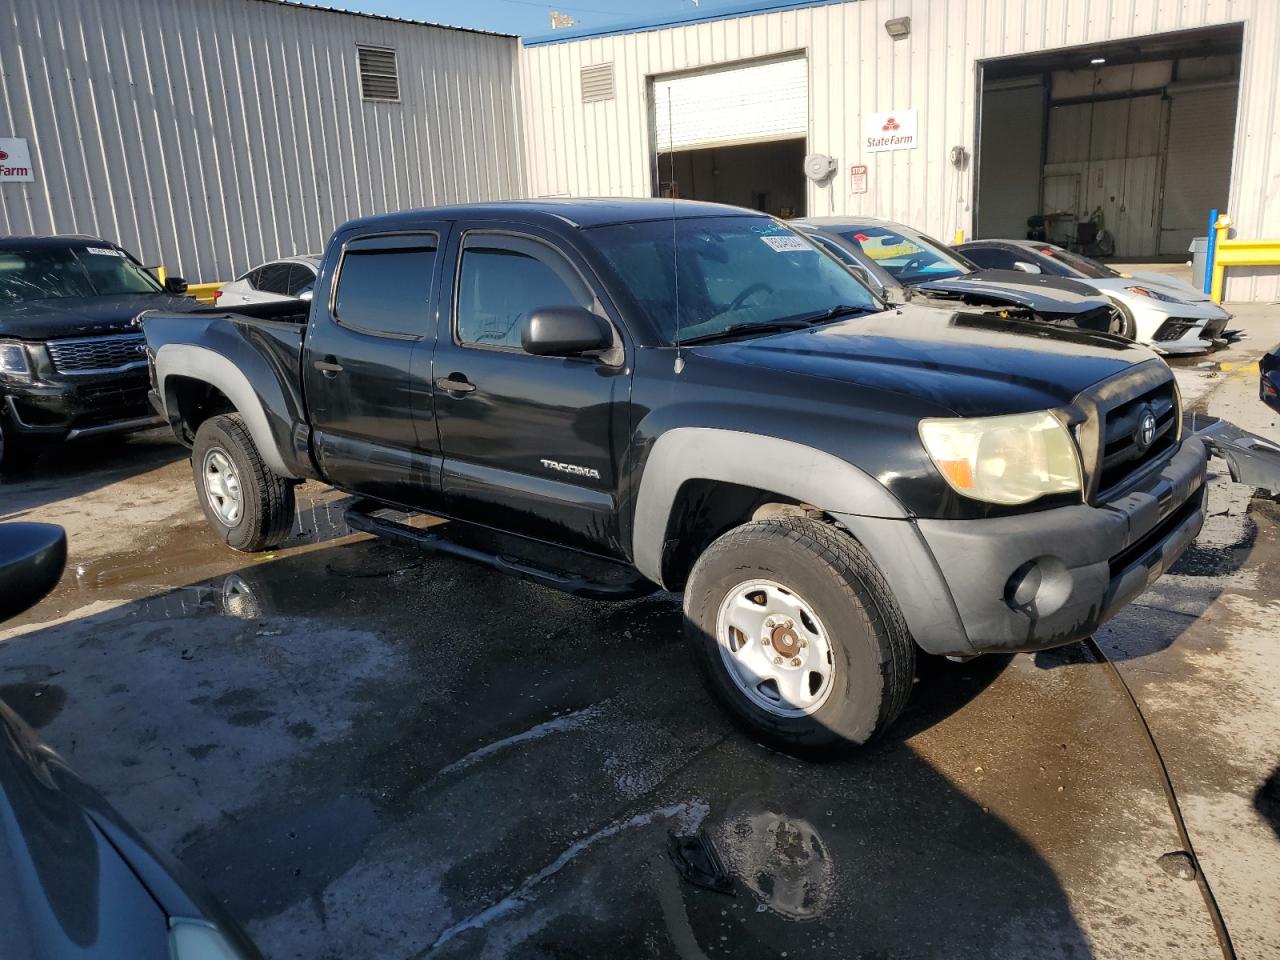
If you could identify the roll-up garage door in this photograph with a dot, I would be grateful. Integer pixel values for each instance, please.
(763, 101)
(1197, 176)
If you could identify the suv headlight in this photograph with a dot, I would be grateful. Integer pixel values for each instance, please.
(1007, 460)
(199, 940)
(13, 360)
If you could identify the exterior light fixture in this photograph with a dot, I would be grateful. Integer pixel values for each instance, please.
(899, 27)
(1096, 61)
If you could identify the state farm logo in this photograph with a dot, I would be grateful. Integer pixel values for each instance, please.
(3, 155)
(891, 124)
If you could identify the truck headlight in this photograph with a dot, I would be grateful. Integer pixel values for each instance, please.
(1007, 460)
(13, 360)
(199, 940)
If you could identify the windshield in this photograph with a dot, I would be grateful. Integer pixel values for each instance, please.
(1077, 265)
(55, 273)
(907, 257)
(733, 272)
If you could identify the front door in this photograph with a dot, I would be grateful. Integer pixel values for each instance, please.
(367, 367)
(529, 443)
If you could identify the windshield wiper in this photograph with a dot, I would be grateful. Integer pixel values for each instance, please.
(745, 329)
(839, 310)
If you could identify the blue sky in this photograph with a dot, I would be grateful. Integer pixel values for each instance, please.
(523, 17)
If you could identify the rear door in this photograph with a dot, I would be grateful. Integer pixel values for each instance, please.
(530, 444)
(367, 366)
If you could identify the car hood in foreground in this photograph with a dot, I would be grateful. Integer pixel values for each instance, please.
(1001, 287)
(76, 880)
(971, 364)
(82, 316)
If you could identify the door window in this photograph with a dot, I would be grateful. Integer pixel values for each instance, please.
(301, 279)
(991, 258)
(386, 290)
(501, 279)
(273, 278)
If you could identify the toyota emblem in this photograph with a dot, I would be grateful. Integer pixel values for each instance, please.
(1146, 434)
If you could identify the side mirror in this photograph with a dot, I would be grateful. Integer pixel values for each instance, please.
(1026, 267)
(564, 332)
(306, 295)
(175, 285)
(32, 556)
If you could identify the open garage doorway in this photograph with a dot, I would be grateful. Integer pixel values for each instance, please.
(736, 135)
(1118, 150)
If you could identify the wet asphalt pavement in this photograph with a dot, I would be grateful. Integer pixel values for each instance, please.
(367, 752)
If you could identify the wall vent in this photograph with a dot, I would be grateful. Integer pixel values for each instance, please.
(597, 83)
(379, 79)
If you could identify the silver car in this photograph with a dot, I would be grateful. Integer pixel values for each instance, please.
(289, 278)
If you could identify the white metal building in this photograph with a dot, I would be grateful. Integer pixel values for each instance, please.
(212, 134)
(978, 115)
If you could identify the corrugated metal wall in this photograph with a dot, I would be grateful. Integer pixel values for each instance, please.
(605, 147)
(213, 134)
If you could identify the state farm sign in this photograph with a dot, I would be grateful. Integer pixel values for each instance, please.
(895, 130)
(15, 160)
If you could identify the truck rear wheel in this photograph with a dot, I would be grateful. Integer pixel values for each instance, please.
(799, 635)
(249, 507)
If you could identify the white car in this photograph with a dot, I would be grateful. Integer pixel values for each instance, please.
(289, 278)
(1168, 314)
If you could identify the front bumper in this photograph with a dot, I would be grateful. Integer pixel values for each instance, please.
(65, 409)
(1040, 579)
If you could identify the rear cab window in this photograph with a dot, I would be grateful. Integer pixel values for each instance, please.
(384, 285)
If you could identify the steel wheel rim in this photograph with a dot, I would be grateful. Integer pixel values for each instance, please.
(222, 487)
(775, 649)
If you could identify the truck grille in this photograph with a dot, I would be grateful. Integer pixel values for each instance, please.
(1124, 450)
(85, 355)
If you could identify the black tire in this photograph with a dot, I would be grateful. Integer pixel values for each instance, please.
(1128, 327)
(267, 504)
(873, 654)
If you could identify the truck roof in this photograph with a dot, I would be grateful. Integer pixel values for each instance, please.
(10, 242)
(576, 211)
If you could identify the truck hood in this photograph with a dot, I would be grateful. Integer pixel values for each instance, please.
(82, 316)
(970, 364)
(1012, 287)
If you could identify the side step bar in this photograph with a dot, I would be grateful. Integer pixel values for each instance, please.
(361, 516)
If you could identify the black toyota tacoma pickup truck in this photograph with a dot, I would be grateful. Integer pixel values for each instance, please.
(697, 397)
(72, 363)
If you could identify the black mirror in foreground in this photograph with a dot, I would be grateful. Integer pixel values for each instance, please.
(32, 556)
(175, 285)
(564, 332)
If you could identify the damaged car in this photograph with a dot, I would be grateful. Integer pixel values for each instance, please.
(902, 264)
(1165, 313)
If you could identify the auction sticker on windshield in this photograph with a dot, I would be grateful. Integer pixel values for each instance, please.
(103, 251)
(784, 244)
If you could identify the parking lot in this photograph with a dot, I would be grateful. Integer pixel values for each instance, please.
(365, 751)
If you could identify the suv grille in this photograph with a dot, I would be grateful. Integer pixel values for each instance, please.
(1124, 451)
(98, 354)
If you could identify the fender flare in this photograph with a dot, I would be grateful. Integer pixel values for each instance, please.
(203, 364)
(788, 468)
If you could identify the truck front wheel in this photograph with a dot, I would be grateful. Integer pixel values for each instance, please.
(249, 507)
(799, 635)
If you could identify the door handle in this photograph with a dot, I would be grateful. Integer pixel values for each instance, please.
(455, 383)
(329, 366)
